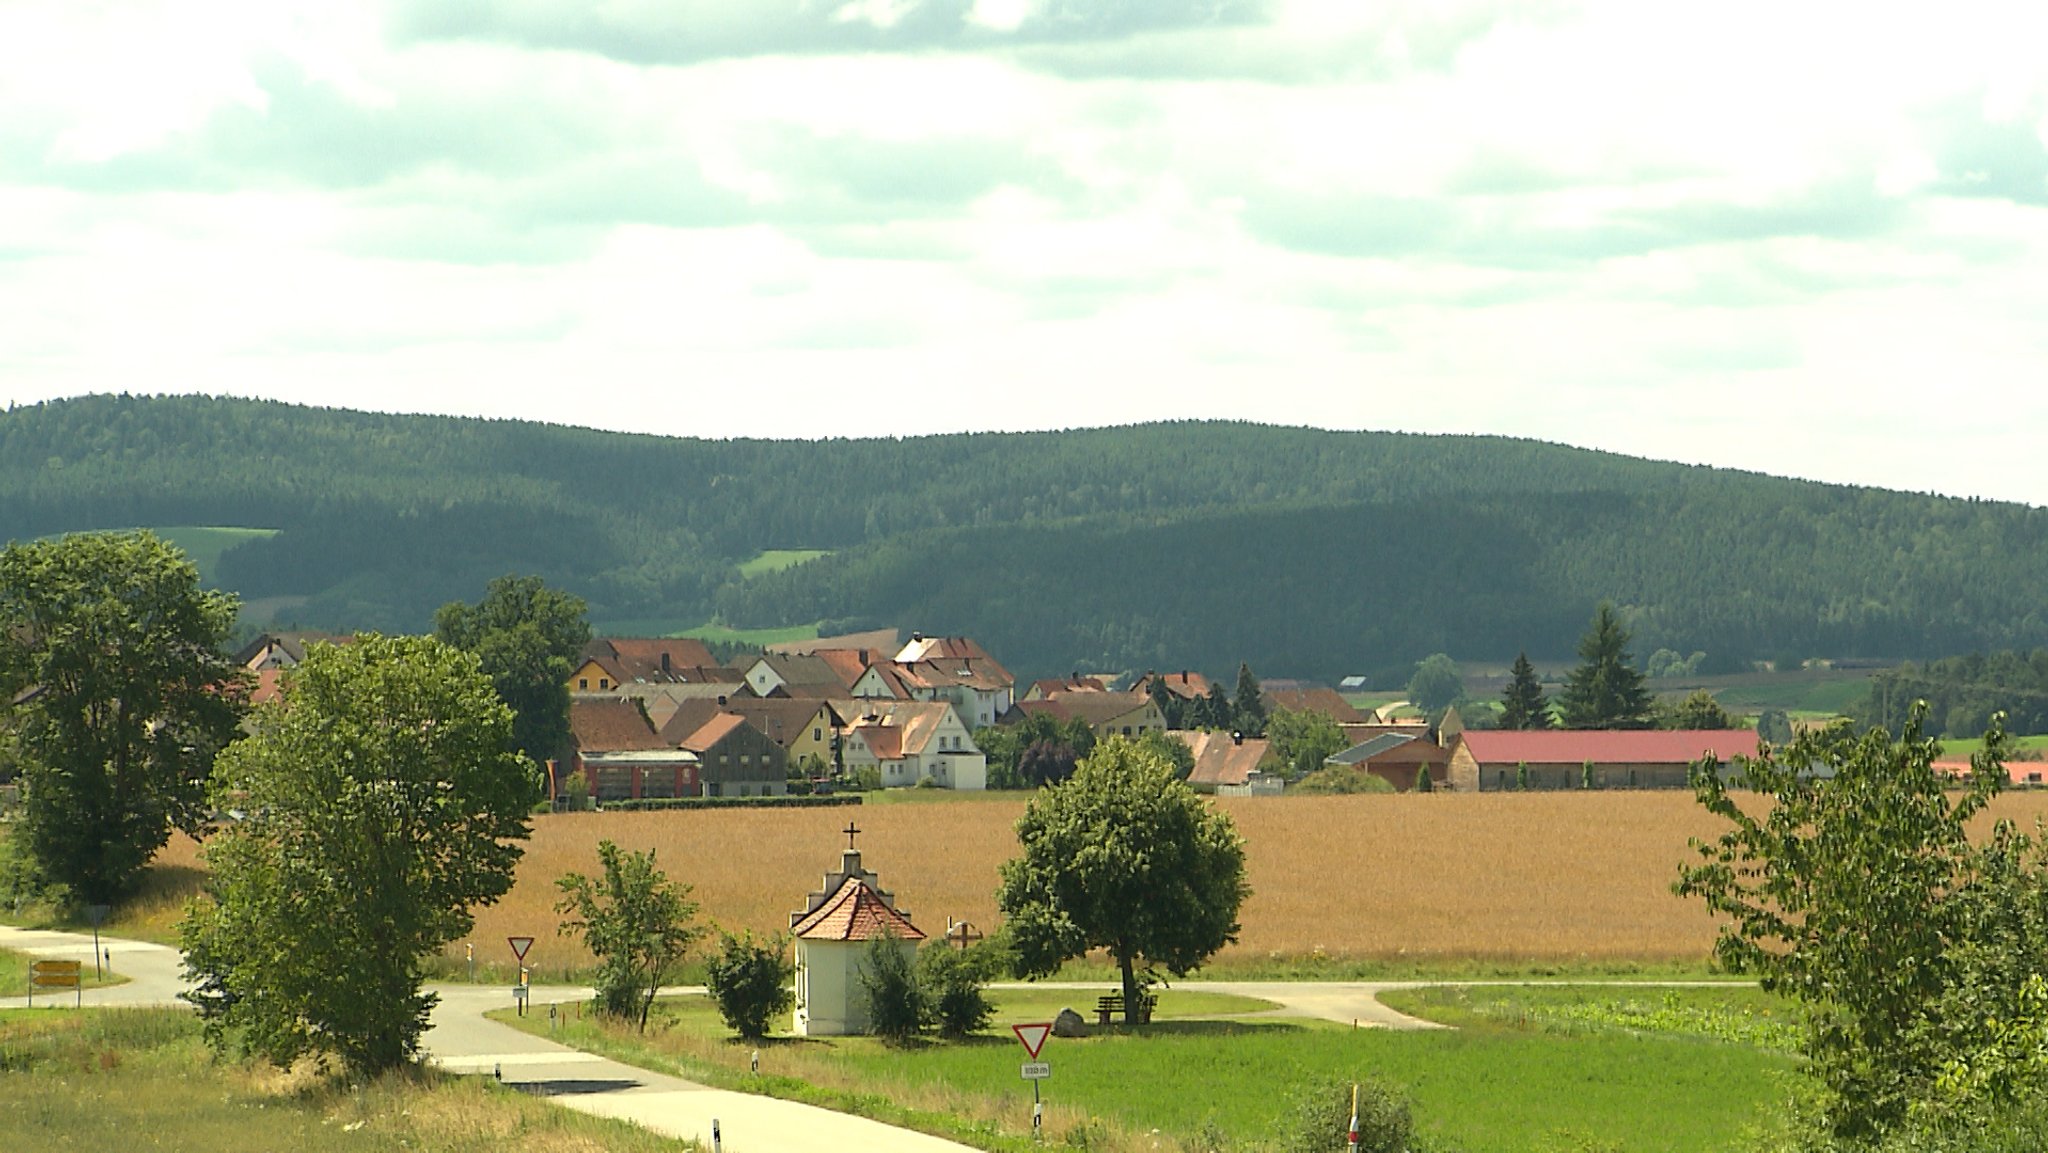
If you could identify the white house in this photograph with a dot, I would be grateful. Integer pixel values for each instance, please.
(909, 741)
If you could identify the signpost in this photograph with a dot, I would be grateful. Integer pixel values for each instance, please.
(56, 975)
(97, 914)
(524, 988)
(1032, 1037)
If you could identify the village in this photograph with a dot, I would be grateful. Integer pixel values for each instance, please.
(657, 719)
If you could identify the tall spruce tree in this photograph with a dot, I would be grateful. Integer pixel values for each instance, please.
(1606, 690)
(1249, 710)
(1523, 705)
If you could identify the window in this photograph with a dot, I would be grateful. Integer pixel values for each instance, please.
(582, 682)
(817, 734)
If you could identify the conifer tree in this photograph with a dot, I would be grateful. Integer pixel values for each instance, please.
(1523, 705)
(1606, 690)
(1249, 711)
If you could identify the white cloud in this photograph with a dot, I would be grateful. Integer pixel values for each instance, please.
(1791, 239)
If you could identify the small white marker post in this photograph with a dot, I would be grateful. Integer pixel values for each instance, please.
(1033, 1037)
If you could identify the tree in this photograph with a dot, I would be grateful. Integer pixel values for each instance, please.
(1437, 684)
(527, 637)
(382, 807)
(1881, 927)
(1213, 711)
(1774, 725)
(1171, 707)
(113, 652)
(1303, 740)
(1699, 710)
(1173, 749)
(1248, 708)
(749, 981)
(1124, 857)
(889, 989)
(637, 923)
(1523, 705)
(952, 980)
(1605, 691)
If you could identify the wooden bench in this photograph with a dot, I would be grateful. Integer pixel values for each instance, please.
(1112, 1004)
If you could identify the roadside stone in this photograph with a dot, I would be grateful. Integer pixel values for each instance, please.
(1069, 1024)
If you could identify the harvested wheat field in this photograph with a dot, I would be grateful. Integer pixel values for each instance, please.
(1511, 876)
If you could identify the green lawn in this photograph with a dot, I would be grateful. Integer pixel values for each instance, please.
(115, 1078)
(1810, 692)
(1971, 746)
(777, 559)
(706, 631)
(1611, 1069)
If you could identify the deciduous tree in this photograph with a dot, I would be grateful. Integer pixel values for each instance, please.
(383, 807)
(113, 652)
(1437, 684)
(1905, 940)
(637, 923)
(527, 637)
(1125, 857)
(750, 982)
(1605, 691)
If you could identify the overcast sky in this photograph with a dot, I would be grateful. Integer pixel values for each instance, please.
(1809, 239)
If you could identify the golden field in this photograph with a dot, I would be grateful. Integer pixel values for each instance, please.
(1507, 876)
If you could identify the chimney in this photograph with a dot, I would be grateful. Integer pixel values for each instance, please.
(1237, 738)
(863, 658)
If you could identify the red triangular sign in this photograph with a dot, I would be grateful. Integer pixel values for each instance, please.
(1033, 1036)
(519, 946)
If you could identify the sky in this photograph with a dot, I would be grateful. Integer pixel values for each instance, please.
(1805, 239)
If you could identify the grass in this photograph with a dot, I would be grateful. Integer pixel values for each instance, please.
(1809, 692)
(204, 543)
(1495, 1085)
(777, 559)
(112, 1078)
(2031, 748)
(14, 978)
(706, 631)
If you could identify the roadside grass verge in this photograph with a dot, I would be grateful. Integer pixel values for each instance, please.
(120, 1078)
(1491, 1087)
(14, 978)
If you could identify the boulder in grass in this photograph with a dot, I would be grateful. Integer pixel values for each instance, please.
(1069, 1024)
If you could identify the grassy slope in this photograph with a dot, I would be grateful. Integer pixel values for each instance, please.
(777, 559)
(117, 1078)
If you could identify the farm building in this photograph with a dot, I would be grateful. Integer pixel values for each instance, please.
(1491, 761)
(1397, 758)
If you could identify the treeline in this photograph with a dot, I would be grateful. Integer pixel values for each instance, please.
(1171, 545)
(1963, 693)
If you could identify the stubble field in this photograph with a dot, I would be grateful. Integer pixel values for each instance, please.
(1510, 877)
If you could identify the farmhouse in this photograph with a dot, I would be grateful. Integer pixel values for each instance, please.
(737, 759)
(832, 931)
(1398, 758)
(1106, 714)
(908, 742)
(1612, 759)
(1228, 764)
(803, 727)
(621, 757)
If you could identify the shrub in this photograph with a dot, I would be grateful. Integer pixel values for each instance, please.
(1322, 1116)
(888, 987)
(952, 980)
(749, 980)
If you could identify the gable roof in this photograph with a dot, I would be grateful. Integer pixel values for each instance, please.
(1314, 699)
(610, 725)
(1220, 758)
(711, 732)
(1607, 746)
(897, 729)
(1368, 748)
(855, 913)
(781, 719)
(1094, 709)
(1186, 685)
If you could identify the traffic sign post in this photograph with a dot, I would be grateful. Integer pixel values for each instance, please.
(1032, 1037)
(56, 975)
(525, 986)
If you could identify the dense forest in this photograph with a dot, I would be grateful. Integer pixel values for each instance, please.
(1962, 693)
(1196, 544)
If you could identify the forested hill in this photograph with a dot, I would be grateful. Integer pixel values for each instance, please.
(1309, 553)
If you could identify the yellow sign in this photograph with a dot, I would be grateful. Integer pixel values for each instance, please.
(54, 974)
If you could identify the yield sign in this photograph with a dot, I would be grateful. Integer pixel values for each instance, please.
(1033, 1036)
(519, 946)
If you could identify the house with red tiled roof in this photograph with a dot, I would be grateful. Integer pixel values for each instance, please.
(736, 759)
(620, 755)
(1398, 758)
(1313, 699)
(803, 727)
(1188, 686)
(908, 742)
(1228, 764)
(1106, 714)
(957, 670)
(1045, 690)
(832, 934)
(1493, 760)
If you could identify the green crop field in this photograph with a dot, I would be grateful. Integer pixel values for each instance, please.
(205, 543)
